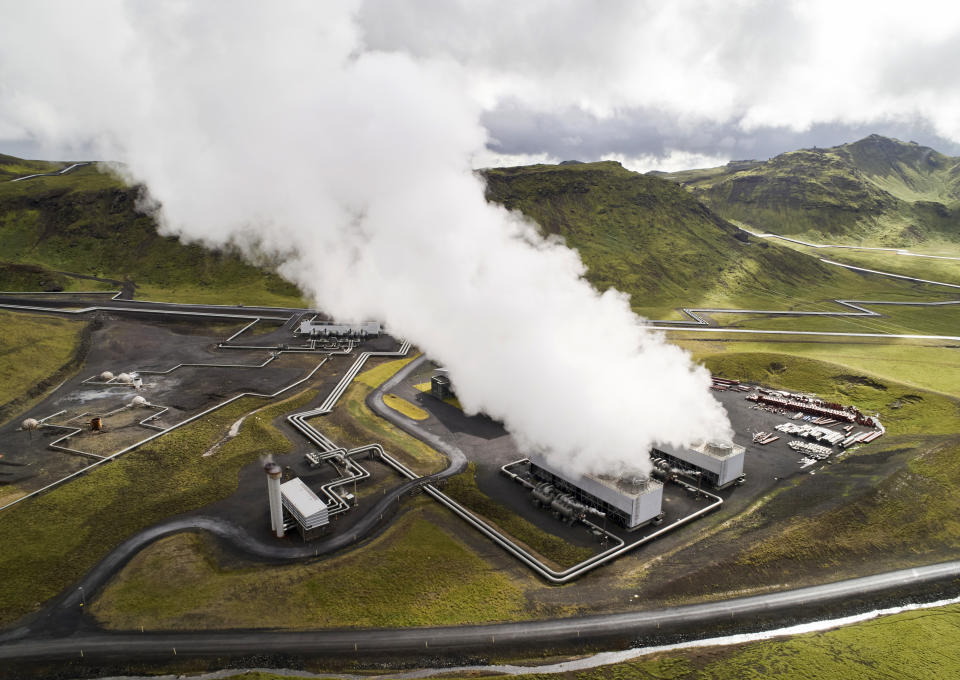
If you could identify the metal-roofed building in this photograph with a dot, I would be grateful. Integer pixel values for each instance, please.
(316, 328)
(441, 387)
(633, 503)
(305, 506)
(721, 463)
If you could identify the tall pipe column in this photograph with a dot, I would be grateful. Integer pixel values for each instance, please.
(273, 494)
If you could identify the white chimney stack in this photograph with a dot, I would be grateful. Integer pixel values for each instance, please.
(273, 492)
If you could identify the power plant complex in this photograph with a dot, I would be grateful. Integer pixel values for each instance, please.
(631, 501)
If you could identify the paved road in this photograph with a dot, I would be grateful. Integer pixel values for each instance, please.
(66, 305)
(894, 251)
(633, 625)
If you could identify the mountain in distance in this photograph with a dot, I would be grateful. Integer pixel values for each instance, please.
(876, 191)
(648, 237)
(641, 234)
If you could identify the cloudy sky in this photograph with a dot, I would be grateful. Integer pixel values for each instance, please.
(655, 84)
(340, 138)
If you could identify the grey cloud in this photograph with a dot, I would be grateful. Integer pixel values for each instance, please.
(576, 134)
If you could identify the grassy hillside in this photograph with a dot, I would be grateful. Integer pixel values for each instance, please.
(85, 222)
(357, 589)
(12, 167)
(648, 237)
(876, 190)
(36, 353)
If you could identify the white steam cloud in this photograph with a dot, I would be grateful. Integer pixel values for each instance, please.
(277, 129)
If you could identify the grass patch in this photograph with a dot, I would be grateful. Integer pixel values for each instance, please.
(415, 574)
(53, 539)
(913, 510)
(36, 352)
(376, 376)
(941, 320)
(352, 423)
(924, 367)
(463, 489)
(401, 405)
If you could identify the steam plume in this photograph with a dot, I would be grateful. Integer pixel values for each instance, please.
(280, 132)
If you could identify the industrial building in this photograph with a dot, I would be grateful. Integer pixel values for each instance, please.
(718, 463)
(317, 328)
(440, 386)
(307, 513)
(632, 502)
(310, 513)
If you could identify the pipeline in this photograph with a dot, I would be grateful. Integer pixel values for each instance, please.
(160, 433)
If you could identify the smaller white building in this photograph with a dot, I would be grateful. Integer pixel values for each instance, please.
(304, 505)
(720, 462)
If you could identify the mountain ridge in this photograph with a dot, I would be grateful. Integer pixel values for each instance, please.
(876, 190)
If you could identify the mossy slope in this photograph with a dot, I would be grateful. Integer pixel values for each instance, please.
(877, 190)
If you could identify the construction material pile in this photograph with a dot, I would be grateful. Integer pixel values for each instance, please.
(811, 406)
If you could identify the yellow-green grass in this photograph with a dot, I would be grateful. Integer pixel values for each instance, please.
(816, 296)
(463, 488)
(51, 540)
(381, 373)
(917, 645)
(251, 293)
(922, 366)
(401, 405)
(895, 319)
(415, 574)
(930, 268)
(352, 423)
(35, 352)
(12, 167)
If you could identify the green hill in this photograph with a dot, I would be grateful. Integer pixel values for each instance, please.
(86, 223)
(641, 234)
(878, 190)
(648, 237)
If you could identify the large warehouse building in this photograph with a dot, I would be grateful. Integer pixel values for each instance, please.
(631, 503)
(721, 463)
